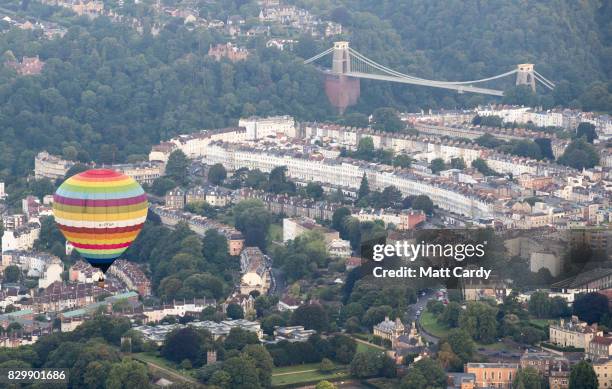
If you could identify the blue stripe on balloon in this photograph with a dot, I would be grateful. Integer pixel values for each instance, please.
(99, 196)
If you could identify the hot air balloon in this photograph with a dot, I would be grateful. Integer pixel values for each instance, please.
(100, 212)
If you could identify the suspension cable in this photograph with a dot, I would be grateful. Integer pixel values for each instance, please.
(402, 75)
(316, 57)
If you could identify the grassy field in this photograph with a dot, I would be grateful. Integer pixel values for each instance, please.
(363, 347)
(540, 323)
(275, 233)
(431, 325)
(156, 359)
(304, 373)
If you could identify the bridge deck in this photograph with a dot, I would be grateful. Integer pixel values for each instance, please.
(458, 88)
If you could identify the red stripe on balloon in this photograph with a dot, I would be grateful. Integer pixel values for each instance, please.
(101, 173)
(109, 230)
(101, 246)
(99, 203)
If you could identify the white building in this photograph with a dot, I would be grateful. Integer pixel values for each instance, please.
(258, 128)
(550, 261)
(255, 270)
(50, 166)
(143, 173)
(21, 238)
(2, 193)
(457, 199)
(339, 248)
(53, 272)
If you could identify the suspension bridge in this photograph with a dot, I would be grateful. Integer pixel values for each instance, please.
(348, 66)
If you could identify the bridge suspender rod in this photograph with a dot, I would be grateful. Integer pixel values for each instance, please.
(545, 83)
(543, 78)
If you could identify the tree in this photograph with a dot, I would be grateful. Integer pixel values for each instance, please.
(127, 374)
(489, 141)
(480, 322)
(356, 119)
(217, 174)
(539, 304)
(75, 169)
(343, 348)
(461, 344)
(447, 358)
(425, 373)
(402, 160)
(220, 378)
(545, 146)
(263, 362)
(326, 366)
(529, 378)
(256, 179)
(41, 188)
(364, 188)
(338, 221)
(435, 307)
(314, 191)
(482, 166)
(162, 185)
(235, 311)
(450, 315)
(587, 131)
(311, 316)
(414, 379)
(186, 343)
(325, 385)
(376, 314)
(365, 148)
(12, 273)
(390, 197)
(580, 155)
(583, 376)
(238, 338)
(366, 364)
(437, 165)
(520, 95)
(457, 163)
(590, 307)
(253, 220)
(243, 373)
(270, 322)
(559, 307)
(278, 182)
(176, 168)
(423, 203)
(387, 119)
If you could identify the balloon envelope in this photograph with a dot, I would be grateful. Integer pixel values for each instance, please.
(100, 212)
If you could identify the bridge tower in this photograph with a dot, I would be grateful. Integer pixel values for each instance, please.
(525, 75)
(341, 89)
(341, 60)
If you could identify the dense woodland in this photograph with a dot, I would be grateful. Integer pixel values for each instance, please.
(457, 40)
(111, 93)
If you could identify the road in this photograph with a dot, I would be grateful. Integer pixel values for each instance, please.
(420, 305)
(278, 282)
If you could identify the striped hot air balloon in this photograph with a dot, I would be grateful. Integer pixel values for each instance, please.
(100, 212)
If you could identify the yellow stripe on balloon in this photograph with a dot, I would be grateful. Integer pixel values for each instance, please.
(80, 209)
(101, 217)
(101, 240)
